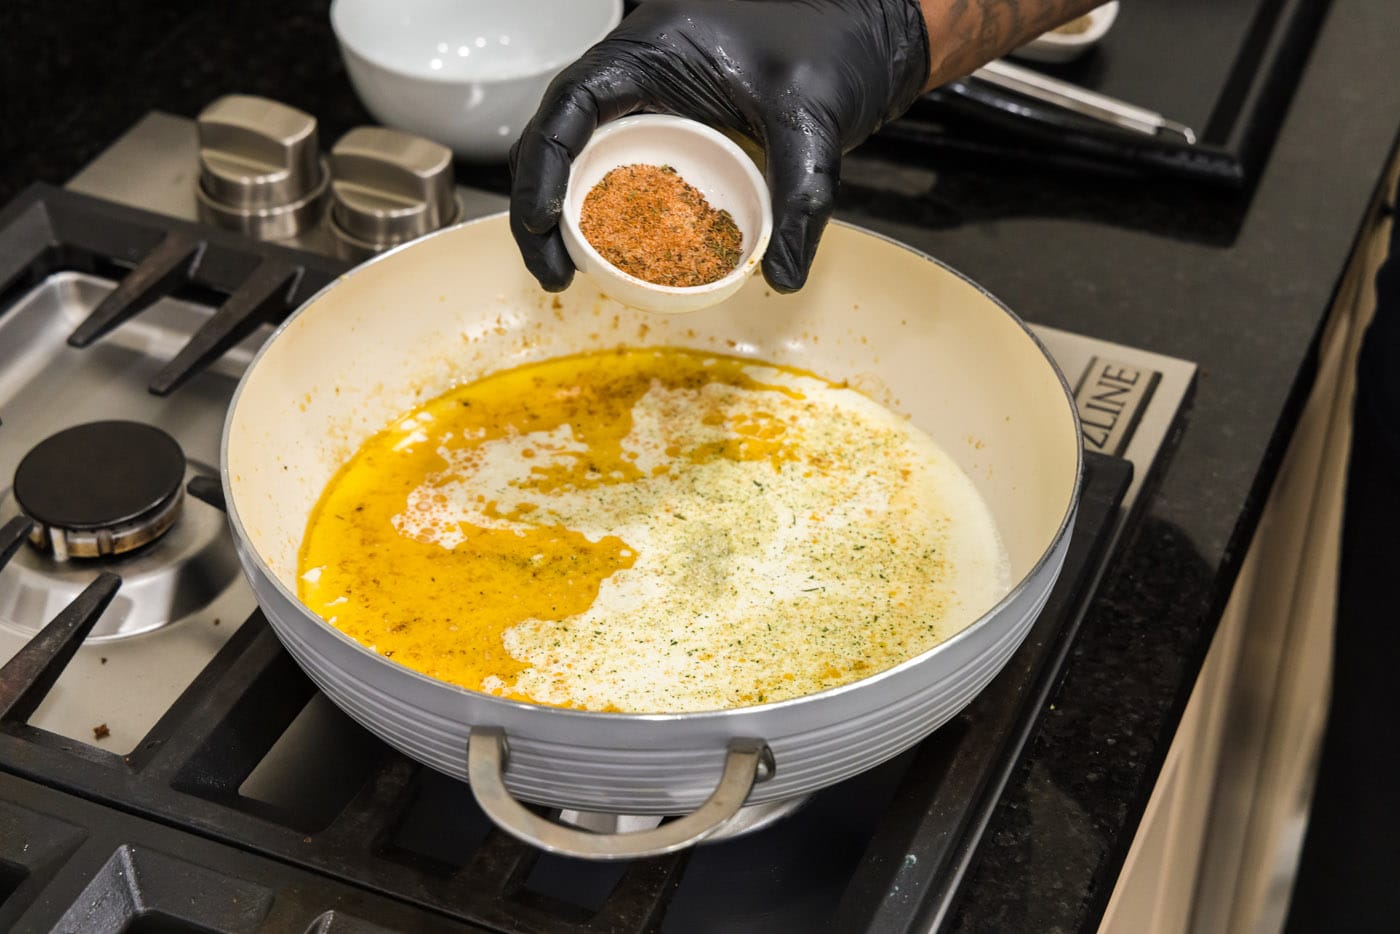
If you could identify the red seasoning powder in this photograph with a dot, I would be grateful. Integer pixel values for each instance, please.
(649, 222)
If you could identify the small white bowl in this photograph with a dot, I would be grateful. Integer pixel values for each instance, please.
(707, 160)
(466, 73)
(1056, 47)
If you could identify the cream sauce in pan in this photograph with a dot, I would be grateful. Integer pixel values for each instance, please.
(658, 530)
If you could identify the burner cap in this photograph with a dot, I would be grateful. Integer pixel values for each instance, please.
(103, 488)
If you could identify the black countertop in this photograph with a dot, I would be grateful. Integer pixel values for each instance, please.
(1239, 283)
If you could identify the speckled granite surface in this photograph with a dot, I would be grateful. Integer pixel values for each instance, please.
(1238, 283)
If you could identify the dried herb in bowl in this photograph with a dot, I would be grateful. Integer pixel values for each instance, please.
(1077, 26)
(649, 222)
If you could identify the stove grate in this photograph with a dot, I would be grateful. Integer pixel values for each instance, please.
(249, 282)
(26, 678)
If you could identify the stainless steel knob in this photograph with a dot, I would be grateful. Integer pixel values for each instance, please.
(260, 168)
(388, 188)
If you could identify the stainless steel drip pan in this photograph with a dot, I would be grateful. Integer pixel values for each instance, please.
(160, 630)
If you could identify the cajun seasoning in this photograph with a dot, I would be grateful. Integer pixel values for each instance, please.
(1075, 27)
(649, 222)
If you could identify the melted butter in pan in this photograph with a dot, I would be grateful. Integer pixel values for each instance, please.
(651, 531)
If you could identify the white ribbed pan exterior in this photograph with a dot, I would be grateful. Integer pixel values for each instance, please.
(459, 304)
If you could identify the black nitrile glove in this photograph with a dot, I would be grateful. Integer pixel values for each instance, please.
(805, 79)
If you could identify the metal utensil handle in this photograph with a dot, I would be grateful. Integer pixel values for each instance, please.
(1071, 97)
(747, 761)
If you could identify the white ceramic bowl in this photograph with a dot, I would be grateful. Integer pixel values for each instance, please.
(466, 73)
(1064, 47)
(706, 159)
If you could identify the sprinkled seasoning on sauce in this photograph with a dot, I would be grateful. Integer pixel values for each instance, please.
(649, 222)
(650, 531)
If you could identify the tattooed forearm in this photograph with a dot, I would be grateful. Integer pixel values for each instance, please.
(964, 35)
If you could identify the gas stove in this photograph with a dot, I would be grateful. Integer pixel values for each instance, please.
(163, 760)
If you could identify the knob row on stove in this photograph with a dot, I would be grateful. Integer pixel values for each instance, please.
(261, 173)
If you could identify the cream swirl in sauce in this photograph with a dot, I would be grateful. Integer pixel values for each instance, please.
(651, 531)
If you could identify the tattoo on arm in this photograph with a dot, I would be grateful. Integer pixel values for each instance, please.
(964, 35)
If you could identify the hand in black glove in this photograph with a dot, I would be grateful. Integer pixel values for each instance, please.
(805, 79)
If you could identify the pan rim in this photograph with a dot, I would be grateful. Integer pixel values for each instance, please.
(712, 717)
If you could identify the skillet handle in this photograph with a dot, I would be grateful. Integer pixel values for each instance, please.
(747, 761)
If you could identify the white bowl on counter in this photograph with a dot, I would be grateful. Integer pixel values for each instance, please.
(1057, 47)
(707, 160)
(466, 73)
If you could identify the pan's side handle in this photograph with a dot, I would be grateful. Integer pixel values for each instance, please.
(746, 762)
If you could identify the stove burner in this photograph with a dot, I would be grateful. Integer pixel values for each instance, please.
(104, 488)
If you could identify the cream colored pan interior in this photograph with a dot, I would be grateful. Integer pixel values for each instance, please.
(910, 333)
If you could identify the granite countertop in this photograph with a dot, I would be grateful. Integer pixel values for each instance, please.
(1239, 283)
